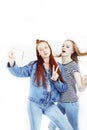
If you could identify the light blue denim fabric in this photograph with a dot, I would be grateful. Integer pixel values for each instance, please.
(40, 100)
(36, 110)
(71, 110)
(35, 92)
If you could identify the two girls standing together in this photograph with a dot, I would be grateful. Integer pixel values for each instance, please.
(52, 82)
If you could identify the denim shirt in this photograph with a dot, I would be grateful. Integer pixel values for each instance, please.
(40, 94)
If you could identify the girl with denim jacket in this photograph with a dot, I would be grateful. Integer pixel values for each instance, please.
(47, 80)
(68, 103)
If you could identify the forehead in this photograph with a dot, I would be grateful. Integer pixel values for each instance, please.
(69, 43)
(42, 44)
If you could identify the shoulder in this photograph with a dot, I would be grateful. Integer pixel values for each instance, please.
(74, 66)
(32, 63)
(70, 64)
(59, 64)
(74, 63)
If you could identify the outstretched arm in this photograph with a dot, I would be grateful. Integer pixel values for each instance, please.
(17, 71)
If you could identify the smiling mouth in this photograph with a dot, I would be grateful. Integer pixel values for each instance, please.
(45, 53)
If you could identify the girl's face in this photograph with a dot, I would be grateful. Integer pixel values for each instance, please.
(43, 49)
(67, 48)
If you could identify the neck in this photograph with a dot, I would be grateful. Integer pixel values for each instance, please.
(46, 63)
(66, 60)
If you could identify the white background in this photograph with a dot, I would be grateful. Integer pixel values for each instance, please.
(21, 23)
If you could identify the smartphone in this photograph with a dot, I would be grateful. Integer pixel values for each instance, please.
(18, 53)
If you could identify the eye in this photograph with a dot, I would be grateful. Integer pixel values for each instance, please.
(46, 47)
(63, 45)
(67, 46)
(40, 49)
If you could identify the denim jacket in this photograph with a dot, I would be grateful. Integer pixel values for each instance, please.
(40, 94)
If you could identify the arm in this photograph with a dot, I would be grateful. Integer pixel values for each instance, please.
(15, 70)
(80, 81)
(60, 86)
(19, 71)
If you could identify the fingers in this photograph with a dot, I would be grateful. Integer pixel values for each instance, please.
(54, 73)
(11, 54)
(11, 58)
(55, 69)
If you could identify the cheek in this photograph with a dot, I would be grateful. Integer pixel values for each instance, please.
(40, 53)
(72, 51)
(49, 50)
(69, 52)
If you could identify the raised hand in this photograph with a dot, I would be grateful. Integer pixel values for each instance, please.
(11, 58)
(54, 73)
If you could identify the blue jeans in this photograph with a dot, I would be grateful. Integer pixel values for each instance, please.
(36, 110)
(71, 111)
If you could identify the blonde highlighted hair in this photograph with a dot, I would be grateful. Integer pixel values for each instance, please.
(76, 52)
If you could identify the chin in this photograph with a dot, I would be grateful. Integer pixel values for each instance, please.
(64, 55)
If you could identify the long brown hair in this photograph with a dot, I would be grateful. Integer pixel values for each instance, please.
(39, 74)
(76, 52)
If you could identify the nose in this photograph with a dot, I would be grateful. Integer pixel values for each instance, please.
(44, 50)
(64, 47)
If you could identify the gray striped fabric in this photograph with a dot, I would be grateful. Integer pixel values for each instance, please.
(71, 94)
